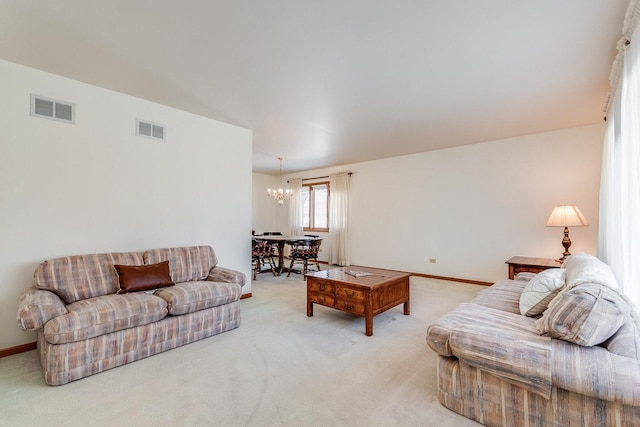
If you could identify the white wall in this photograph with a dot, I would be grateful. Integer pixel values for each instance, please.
(265, 211)
(95, 187)
(473, 207)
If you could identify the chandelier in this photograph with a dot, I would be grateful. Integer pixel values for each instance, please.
(279, 195)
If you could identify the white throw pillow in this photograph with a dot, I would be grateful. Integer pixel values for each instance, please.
(540, 290)
(584, 268)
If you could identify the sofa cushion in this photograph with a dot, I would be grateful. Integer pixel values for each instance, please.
(586, 314)
(79, 277)
(109, 313)
(540, 290)
(504, 295)
(185, 263)
(188, 297)
(626, 341)
(520, 358)
(597, 373)
(439, 333)
(134, 278)
(585, 268)
(524, 276)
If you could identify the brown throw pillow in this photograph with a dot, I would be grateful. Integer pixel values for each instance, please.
(133, 278)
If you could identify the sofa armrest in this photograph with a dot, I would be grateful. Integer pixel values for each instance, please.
(220, 274)
(36, 307)
(596, 372)
(439, 333)
(519, 358)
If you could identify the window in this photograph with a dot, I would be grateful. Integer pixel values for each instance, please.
(315, 205)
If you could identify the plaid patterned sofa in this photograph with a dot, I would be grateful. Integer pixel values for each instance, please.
(88, 321)
(575, 364)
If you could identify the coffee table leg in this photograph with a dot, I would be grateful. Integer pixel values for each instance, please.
(309, 309)
(368, 328)
(406, 303)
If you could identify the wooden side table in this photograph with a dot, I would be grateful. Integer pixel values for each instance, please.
(518, 264)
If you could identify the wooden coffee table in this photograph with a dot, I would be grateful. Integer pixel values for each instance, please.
(363, 296)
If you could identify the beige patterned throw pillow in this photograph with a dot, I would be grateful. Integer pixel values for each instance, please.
(587, 314)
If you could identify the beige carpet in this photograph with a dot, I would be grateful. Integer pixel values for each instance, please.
(279, 368)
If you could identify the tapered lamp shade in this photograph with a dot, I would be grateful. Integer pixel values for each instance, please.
(566, 216)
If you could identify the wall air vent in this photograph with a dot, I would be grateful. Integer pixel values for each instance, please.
(149, 129)
(53, 109)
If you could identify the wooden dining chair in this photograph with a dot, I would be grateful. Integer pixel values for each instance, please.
(273, 233)
(261, 254)
(304, 251)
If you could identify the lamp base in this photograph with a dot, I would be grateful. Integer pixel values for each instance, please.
(566, 243)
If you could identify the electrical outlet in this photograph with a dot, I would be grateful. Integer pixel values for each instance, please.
(432, 260)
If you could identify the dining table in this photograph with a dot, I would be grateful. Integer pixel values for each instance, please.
(280, 241)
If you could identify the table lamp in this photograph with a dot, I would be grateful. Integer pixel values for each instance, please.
(566, 216)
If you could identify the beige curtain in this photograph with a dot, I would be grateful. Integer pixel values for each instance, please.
(295, 208)
(619, 226)
(339, 252)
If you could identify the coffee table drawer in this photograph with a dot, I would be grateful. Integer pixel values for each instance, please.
(321, 299)
(350, 306)
(321, 287)
(342, 292)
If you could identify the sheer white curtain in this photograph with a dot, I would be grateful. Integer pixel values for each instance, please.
(619, 228)
(296, 217)
(339, 219)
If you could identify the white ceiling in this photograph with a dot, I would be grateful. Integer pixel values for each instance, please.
(332, 82)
